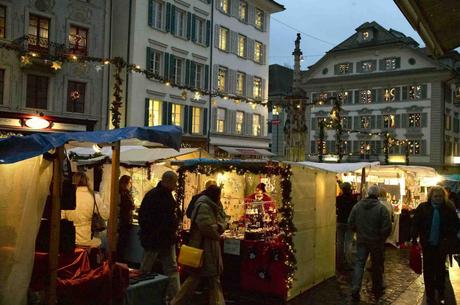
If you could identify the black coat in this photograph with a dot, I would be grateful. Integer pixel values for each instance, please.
(421, 223)
(158, 219)
(344, 204)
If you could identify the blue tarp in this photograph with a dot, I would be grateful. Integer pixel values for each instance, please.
(14, 149)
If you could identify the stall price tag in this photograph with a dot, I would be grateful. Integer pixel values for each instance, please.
(232, 246)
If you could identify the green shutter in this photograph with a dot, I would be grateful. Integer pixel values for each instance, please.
(166, 66)
(148, 59)
(193, 28)
(404, 93)
(356, 96)
(187, 72)
(424, 119)
(193, 74)
(187, 109)
(190, 119)
(150, 13)
(423, 147)
(146, 112)
(398, 62)
(164, 115)
(208, 32)
(397, 120)
(356, 124)
(404, 118)
(189, 25)
(169, 117)
(168, 17)
(172, 67)
(424, 91)
(173, 19)
(313, 124)
(205, 121)
(206, 77)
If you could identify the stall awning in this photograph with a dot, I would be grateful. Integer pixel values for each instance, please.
(338, 167)
(245, 151)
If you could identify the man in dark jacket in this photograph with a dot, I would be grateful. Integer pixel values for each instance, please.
(344, 203)
(158, 221)
(191, 205)
(372, 223)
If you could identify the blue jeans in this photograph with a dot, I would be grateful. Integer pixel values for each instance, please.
(376, 251)
(344, 241)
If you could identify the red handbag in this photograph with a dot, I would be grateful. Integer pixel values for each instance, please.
(415, 259)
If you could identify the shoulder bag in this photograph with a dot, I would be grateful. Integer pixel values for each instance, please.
(190, 256)
(97, 222)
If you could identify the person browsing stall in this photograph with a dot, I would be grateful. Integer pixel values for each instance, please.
(125, 218)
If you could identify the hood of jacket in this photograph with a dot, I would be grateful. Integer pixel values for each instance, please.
(369, 203)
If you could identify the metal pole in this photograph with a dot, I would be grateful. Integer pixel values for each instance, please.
(114, 197)
(211, 47)
(55, 223)
(321, 141)
(363, 181)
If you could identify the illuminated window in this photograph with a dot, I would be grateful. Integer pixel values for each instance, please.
(239, 122)
(260, 16)
(224, 6)
(220, 120)
(196, 120)
(366, 35)
(415, 92)
(414, 147)
(367, 66)
(223, 38)
(155, 113)
(256, 124)
(258, 52)
(2, 21)
(389, 95)
(344, 68)
(176, 114)
(365, 148)
(366, 96)
(241, 45)
(257, 87)
(38, 38)
(243, 11)
(323, 96)
(222, 79)
(240, 83)
(415, 120)
(389, 121)
(391, 63)
(365, 122)
(78, 39)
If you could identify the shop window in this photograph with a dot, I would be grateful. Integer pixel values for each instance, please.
(38, 33)
(196, 120)
(256, 125)
(221, 120)
(2, 21)
(223, 38)
(222, 79)
(415, 120)
(155, 111)
(240, 83)
(242, 45)
(37, 91)
(78, 40)
(243, 11)
(76, 96)
(239, 122)
(176, 114)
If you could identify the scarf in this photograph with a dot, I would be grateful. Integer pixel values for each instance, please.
(435, 223)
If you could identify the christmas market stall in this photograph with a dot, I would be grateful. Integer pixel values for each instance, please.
(262, 199)
(32, 168)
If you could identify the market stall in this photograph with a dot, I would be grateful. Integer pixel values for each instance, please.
(26, 171)
(259, 245)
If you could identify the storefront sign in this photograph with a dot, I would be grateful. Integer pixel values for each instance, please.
(232, 246)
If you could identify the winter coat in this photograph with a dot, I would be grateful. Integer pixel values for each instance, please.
(207, 226)
(158, 219)
(125, 218)
(370, 220)
(343, 204)
(421, 223)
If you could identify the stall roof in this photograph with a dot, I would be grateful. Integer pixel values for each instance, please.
(337, 167)
(234, 162)
(245, 151)
(418, 171)
(16, 148)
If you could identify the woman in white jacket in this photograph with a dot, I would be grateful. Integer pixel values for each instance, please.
(83, 213)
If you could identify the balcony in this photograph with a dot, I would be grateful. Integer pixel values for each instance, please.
(40, 45)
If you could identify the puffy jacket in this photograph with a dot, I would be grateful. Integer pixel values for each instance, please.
(370, 220)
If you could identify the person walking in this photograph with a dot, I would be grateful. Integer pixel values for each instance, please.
(371, 221)
(158, 221)
(344, 236)
(125, 216)
(436, 224)
(208, 223)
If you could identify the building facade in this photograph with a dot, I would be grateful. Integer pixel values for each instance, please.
(68, 96)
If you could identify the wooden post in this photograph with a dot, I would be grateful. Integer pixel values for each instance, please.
(114, 197)
(363, 181)
(55, 224)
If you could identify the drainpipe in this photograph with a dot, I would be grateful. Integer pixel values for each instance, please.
(211, 46)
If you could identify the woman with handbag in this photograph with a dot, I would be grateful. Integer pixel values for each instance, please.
(208, 223)
(436, 223)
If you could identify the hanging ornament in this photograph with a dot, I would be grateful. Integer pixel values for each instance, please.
(98, 68)
(74, 57)
(56, 65)
(197, 95)
(25, 60)
(184, 95)
(75, 95)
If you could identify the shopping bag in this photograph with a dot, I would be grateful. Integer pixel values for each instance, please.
(415, 259)
(190, 257)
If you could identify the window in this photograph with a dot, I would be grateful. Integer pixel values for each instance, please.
(256, 124)
(176, 114)
(260, 19)
(222, 79)
(448, 122)
(390, 94)
(258, 52)
(196, 120)
(220, 120)
(37, 91)
(243, 11)
(224, 6)
(78, 40)
(199, 76)
(414, 147)
(239, 122)
(181, 21)
(178, 71)
(390, 63)
(389, 121)
(2, 85)
(156, 59)
(158, 14)
(155, 110)
(415, 120)
(365, 122)
(343, 68)
(38, 33)
(257, 87)
(415, 92)
(241, 45)
(240, 83)
(76, 97)
(200, 26)
(367, 66)
(366, 96)
(366, 35)
(2, 21)
(223, 38)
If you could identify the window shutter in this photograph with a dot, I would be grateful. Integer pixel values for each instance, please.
(151, 13)
(404, 119)
(250, 50)
(397, 120)
(146, 112)
(187, 119)
(205, 121)
(263, 123)
(349, 123)
(166, 65)
(380, 121)
(314, 124)
(251, 14)
(194, 28)
(356, 96)
(188, 72)
(397, 94)
(423, 147)
(228, 121)
(378, 148)
(208, 32)
(216, 36)
(190, 27)
(233, 122)
(356, 150)
(378, 97)
(336, 69)
(172, 66)
(215, 73)
(424, 91)
(234, 8)
(313, 147)
(356, 124)
(404, 93)
(169, 113)
(206, 77)
(249, 85)
(148, 59)
(173, 19)
(359, 67)
(398, 62)
(164, 115)
(424, 119)
(193, 74)
(264, 48)
(382, 66)
(249, 123)
(234, 42)
(168, 17)
(231, 81)
(373, 125)
(214, 119)
(190, 119)
(263, 88)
